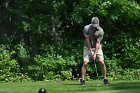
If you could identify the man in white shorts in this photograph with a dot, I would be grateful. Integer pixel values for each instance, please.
(93, 37)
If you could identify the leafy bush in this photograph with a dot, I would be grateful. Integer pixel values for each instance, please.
(115, 72)
(125, 74)
(49, 67)
(9, 68)
(33, 31)
(130, 58)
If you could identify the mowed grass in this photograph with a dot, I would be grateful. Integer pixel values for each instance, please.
(71, 87)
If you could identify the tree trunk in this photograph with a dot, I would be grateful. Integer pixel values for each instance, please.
(55, 36)
(33, 45)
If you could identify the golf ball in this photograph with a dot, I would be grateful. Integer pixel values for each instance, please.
(98, 85)
(42, 90)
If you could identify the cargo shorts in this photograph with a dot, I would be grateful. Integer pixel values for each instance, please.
(87, 55)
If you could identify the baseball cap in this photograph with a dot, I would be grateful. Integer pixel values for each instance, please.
(95, 22)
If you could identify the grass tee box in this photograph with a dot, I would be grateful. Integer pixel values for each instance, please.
(71, 87)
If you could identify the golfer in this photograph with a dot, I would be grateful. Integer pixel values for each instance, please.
(92, 48)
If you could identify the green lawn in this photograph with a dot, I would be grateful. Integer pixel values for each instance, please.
(71, 87)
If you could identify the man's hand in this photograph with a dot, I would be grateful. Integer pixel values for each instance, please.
(94, 56)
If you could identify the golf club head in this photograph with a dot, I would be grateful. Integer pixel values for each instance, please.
(98, 85)
(42, 90)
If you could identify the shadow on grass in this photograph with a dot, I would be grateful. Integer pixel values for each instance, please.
(79, 85)
(125, 85)
(73, 84)
(114, 87)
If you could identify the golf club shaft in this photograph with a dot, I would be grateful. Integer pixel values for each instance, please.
(96, 68)
(96, 73)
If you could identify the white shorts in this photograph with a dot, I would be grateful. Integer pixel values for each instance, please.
(87, 55)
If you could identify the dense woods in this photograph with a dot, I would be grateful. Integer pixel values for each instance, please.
(43, 39)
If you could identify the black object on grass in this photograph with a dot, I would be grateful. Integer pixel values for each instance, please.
(42, 90)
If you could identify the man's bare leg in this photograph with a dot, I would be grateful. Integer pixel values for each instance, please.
(103, 69)
(83, 72)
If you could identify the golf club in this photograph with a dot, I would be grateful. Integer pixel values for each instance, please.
(96, 73)
(95, 68)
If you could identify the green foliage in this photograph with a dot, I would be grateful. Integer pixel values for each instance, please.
(125, 49)
(51, 33)
(22, 50)
(131, 54)
(115, 72)
(9, 68)
(125, 74)
(49, 67)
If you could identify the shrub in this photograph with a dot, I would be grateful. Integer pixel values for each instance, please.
(10, 70)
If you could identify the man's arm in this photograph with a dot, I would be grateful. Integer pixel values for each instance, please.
(86, 33)
(98, 44)
(96, 49)
(88, 42)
